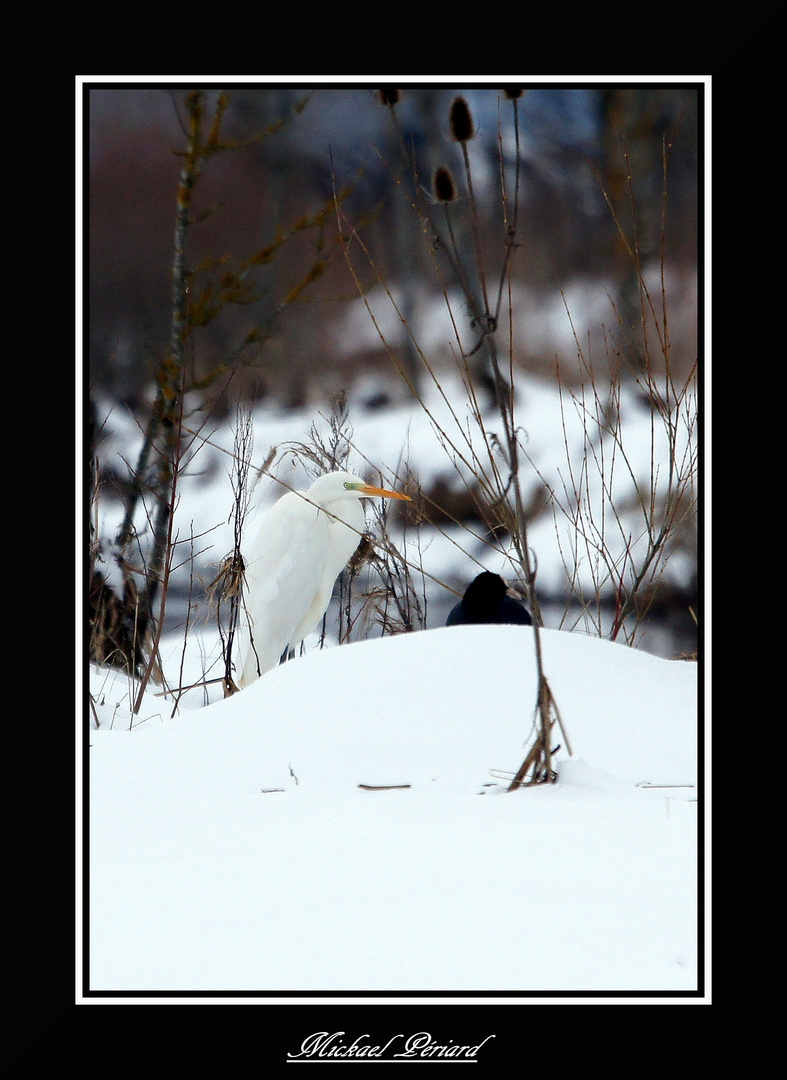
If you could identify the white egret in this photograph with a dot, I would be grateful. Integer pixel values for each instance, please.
(304, 542)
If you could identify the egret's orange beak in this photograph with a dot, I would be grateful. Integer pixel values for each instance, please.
(381, 493)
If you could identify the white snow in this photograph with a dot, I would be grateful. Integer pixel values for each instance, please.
(233, 848)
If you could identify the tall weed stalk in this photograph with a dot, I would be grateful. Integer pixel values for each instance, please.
(493, 461)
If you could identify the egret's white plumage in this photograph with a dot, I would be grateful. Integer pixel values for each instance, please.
(300, 550)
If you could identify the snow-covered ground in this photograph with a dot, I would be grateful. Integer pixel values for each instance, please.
(343, 825)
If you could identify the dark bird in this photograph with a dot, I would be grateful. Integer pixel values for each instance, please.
(486, 600)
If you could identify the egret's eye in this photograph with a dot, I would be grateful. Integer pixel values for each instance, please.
(347, 486)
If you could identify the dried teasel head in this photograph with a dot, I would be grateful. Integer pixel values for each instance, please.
(461, 121)
(443, 185)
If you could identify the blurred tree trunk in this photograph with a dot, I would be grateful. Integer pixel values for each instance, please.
(157, 464)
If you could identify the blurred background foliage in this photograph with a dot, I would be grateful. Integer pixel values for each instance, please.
(593, 180)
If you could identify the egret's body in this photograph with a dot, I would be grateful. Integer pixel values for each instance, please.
(304, 542)
(486, 600)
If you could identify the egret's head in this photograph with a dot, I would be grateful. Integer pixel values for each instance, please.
(345, 485)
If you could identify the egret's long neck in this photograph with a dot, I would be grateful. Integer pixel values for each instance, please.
(348, 512)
